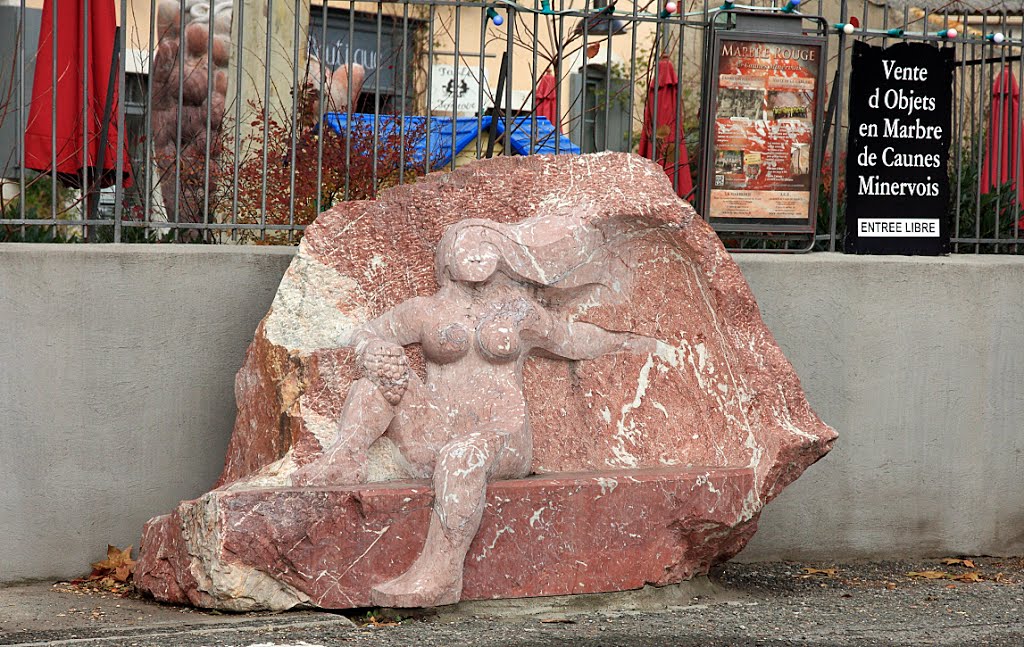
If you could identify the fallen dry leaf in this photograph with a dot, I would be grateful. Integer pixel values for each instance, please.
(953, 561)
(929, 575)
(828, 572)
(118, 565)
(971, 576)
(560, 621)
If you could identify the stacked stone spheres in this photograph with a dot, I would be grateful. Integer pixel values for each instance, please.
(190, 86)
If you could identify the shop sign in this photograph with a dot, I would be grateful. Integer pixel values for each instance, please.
(458, 90)
(897, 179)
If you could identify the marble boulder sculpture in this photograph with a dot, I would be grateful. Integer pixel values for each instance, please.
(531, 376)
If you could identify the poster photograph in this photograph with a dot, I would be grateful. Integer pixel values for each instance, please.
(766, 113)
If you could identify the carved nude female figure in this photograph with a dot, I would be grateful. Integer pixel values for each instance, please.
(466, 424)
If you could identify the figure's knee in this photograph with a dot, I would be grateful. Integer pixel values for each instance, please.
(366, 406)
(472, 455)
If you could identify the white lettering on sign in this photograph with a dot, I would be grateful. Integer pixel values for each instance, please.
(907, 73)
(898, 227)
(337, 53)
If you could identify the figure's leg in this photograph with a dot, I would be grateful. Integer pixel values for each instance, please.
(461, 474)
(365, 416)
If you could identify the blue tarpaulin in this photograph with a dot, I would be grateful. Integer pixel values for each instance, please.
(545, 141)
(463, 130)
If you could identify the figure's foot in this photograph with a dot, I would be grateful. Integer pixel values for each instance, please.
(426, 584)
(328, 472)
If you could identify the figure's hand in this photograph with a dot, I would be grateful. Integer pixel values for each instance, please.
(640, 344)
(386, 365)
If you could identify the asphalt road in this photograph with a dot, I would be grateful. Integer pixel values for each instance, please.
(764, 605)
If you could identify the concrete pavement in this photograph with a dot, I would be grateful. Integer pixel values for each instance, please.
(768, 604)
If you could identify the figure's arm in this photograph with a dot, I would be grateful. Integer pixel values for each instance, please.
(378, 345)
(576, 340)
(401, 325)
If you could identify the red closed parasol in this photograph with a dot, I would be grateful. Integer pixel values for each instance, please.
(660, 135)
(1004, 146)
(72, 123)
(545, 104)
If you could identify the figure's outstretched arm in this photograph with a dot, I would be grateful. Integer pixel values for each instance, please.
(577, 340)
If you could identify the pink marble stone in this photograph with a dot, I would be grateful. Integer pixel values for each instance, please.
(715, 391)
(543, 535)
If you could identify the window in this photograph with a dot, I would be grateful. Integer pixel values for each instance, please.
(135, 87)
(377, 47)
(599, 110)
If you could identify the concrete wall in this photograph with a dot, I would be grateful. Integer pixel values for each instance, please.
(919, 364)
(116, 388)
(117, 365)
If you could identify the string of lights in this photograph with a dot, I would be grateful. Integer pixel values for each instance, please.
(849, 27)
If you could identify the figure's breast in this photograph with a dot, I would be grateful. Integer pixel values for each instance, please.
(496, 329)
(499, 333)
(446, 341)
(498, 338)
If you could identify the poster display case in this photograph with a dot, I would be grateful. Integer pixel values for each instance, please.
(762, 144)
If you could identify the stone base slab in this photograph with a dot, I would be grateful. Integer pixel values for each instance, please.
(553, 534)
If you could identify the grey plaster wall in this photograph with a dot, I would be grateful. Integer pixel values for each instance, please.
(117, 365)
(116, 388)
(919, 364)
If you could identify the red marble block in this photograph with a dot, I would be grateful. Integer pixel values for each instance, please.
(543, 535)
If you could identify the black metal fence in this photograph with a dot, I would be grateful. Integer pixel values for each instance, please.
(209, 131)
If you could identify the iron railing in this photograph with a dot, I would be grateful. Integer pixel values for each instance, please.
(235, 137)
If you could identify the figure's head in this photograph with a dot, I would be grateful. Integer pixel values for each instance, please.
(470, 256)
(555, 251)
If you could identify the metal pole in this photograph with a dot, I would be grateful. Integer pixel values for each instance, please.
(120, 38)
(430, 67)
(147, 204)
(321, 110)
(495, 113)
(266, 120)
(240, 18)
(297, 90)
(837, 95)
(21, 117)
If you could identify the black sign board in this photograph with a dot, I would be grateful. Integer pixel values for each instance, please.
(897, 160)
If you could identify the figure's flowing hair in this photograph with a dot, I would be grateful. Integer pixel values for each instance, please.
(566, 258)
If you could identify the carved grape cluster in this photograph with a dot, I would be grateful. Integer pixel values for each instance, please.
(387, 366)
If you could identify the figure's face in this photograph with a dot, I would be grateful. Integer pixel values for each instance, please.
(472, 260)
